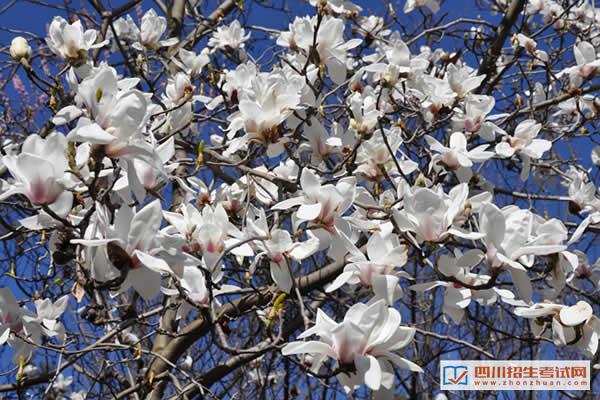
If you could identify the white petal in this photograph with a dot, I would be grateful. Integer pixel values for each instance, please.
(577, 314)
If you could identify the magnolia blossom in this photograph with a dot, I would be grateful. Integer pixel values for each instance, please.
(71, 41)
(322, 207)
(40, 173)
(194, 63)
(456, 154)
(331, 47)
(457, 296)
(364, 112)
(337, 6)
(151, 30)
(584, 271)
(19, 325)
(131, 245)
(432, 5)
(463, 80)
(475, 119)
(263, 107)
(587, 64)
(230, 37)
(280, 250)
(207, 233)
(574, 324)
(193, 286)
(378, 271)
(110, 114)
(374, 156)
(364, 344)
(511, 242)
(525, 144)
(430, 214)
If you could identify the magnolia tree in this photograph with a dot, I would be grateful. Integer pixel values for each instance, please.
(295, 200)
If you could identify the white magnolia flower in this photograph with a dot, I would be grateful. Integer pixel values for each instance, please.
(331, 48)
(457, 297)
(431, 215)
(265, 104)
(230, 37)
(13, 323)
(277, 245)
(574, 324)
(322, 207)
(378, 271)
(152, 28)
(364, 344)
(374, 156)
(475, 118)
(40, 173)
(207, 233)
(540, 56)
(582, 192)
(70, 41)
(111, 115)
(584, 271)
(511, 243)
(18, 323)
(194, 63)
(47, 315)
(195, 290)
(463, 80)
(525, 144)
(132, 245)
(280, 249)
(365, 113)
(456, 154)
(337, 6)
(587, 64)
(432, 5)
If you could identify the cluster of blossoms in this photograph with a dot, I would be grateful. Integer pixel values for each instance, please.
(356, 155)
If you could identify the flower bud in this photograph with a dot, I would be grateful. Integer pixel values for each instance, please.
(19, 48)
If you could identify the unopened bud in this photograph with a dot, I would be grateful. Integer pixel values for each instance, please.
(20, 49)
